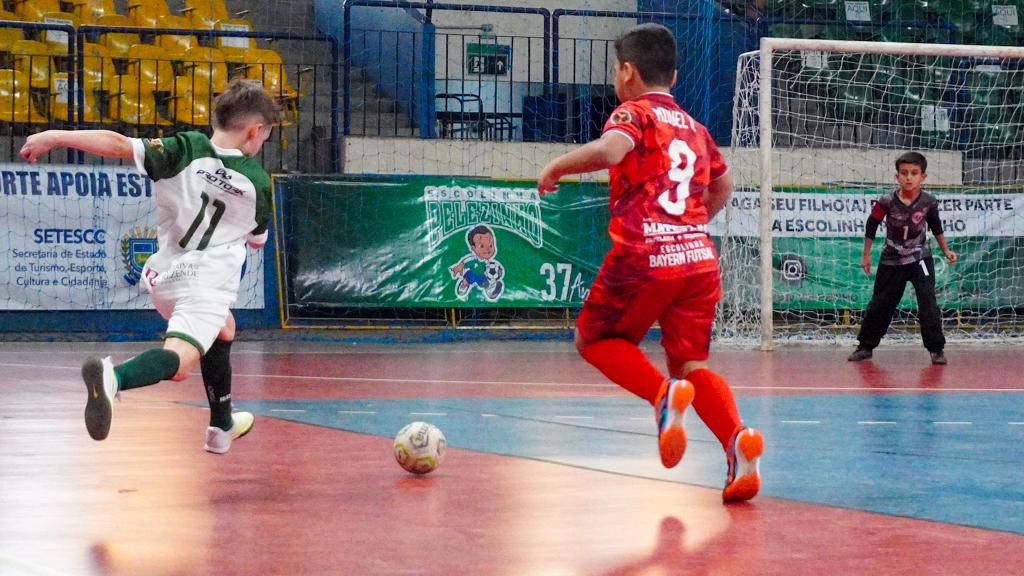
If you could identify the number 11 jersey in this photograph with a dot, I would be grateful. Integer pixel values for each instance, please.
(659, 223)
(209, 199)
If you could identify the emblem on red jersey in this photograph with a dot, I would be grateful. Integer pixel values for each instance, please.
(622, 117)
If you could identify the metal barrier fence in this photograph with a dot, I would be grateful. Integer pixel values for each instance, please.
(142, 90)
(483, 113)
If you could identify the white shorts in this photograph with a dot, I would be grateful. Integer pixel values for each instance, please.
(194, 294)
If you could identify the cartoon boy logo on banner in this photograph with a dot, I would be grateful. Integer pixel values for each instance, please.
(479, 269)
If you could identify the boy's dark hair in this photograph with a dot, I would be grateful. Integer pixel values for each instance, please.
(913, 158)
(241, 100)
(651, 49)
(478, 230)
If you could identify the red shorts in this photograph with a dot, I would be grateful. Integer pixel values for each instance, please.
(627, 308)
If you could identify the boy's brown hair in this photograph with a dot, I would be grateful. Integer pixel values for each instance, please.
(651, 49)
(242, 100)
(913, 158)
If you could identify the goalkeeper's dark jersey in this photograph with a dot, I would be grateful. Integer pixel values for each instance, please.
(905, 239)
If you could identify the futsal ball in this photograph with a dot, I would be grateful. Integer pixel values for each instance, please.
(419, 447)
(493, 270)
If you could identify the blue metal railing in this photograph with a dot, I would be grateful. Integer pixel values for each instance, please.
(431, 6)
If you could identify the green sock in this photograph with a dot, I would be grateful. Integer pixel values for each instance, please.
(147, 368)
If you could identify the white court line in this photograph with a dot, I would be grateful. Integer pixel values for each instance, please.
(488, 415)
(800, 421)
(428, 413)
(541, 384)
(356, 412)
(875, 422)
(952, 423)
(1016, 423)
(575, 417)
(287, 410)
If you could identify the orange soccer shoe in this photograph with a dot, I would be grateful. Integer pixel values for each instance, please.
(744, 480)
(670, 409)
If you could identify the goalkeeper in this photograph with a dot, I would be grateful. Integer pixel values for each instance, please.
(905, 257)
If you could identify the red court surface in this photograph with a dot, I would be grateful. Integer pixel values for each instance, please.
(297, 499)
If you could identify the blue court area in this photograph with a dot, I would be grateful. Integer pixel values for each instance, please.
(913, 455)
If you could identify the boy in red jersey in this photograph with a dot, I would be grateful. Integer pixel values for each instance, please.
(667, 181)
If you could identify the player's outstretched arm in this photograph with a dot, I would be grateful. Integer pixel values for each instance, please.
(99, 142)
(602, 153)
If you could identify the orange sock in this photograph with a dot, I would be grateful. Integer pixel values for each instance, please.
(714, 404)
(623, 363)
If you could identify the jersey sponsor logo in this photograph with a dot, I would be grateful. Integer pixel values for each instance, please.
(219, 178)
(918, 217)
(621, 117)
(136, 248)
(156, 144)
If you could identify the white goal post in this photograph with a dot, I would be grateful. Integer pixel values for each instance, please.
(838, 114)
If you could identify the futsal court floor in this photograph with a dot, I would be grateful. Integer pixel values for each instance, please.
(891, 466)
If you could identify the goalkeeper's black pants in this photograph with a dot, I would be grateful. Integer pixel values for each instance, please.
(890, 283)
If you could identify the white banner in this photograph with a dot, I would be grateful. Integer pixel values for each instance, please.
(76, 238)
(814, 214)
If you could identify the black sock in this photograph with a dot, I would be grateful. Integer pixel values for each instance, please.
(216, 367)
(147, 368)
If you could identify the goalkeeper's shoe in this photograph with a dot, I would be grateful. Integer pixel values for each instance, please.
(101, 386)
(744, 455)
(219, 441)
(670, 410)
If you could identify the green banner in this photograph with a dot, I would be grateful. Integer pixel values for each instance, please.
(459, 242)
(430, 241)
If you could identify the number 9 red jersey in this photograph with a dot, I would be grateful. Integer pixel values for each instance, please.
(659, 221)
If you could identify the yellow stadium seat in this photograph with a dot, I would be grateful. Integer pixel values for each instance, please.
(57, 40)
(152, 65)
(117, 42)
(15, 102)
(206, 66)
(206, 14)
(192, 102)
(9, 36)
(267, 67)
(60, 95)
(98, 71)
(147, 13)
(90, 11)
(133, 103)
(234, 49)
(33, 10)
(32, 59)
(175, 45)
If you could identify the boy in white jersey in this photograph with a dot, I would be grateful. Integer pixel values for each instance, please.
(212, 199)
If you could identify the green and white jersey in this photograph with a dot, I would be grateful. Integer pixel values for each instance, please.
(209, 199)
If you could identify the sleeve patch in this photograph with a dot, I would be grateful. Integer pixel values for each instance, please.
(621, 117)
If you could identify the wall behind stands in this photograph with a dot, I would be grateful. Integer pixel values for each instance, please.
(512, 160)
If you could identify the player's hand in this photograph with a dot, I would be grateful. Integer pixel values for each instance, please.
(865, 264)
(950, 256)
(547, 182)
(36, 145)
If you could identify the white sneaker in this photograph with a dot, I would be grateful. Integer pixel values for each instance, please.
(101, 385)
(219, 442)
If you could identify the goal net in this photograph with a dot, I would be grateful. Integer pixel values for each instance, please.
(817, 126)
